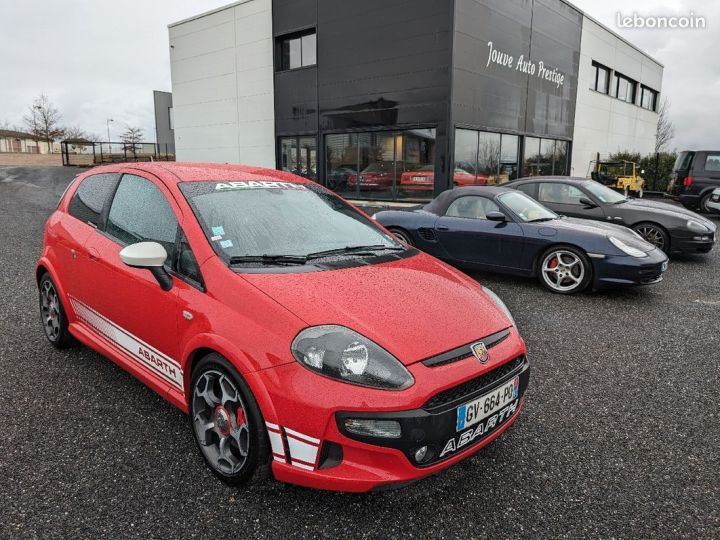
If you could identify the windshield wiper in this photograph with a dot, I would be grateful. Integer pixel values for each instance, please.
(268, 259)
(540, 220)
(622, 201)
(353, 250)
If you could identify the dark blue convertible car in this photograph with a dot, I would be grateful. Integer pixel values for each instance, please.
(500, 229)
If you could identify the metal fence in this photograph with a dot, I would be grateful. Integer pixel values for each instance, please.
(88, 154)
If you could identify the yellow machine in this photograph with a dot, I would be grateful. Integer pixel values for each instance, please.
(620, 175)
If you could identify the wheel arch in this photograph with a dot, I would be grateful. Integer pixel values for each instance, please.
(43, 267)
(655, 224)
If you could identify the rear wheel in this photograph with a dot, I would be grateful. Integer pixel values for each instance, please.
(52, 314)
(654, 234)
(226, 421)
(704, 204)
(402, 235)
(565, 270)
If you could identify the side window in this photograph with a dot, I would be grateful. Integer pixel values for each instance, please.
(712, 163)
(186, 264)
(527, 189)
(91, 197)
(471, 207)
(140, 213)
(560, 194)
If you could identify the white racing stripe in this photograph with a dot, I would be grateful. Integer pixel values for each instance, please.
(301, 450)
(149, 357)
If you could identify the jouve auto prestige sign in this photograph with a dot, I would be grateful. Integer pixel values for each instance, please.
(538, 69)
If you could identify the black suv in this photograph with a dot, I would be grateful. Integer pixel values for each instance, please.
(695, 175)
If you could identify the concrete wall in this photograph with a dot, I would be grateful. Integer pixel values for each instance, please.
(602, 123)
(222, 80)
(17, 159)
(164, 134)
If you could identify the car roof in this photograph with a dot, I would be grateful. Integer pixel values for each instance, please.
(175, 172)
(551, 179)
(440, 203)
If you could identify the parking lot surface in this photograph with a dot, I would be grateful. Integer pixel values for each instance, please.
(620, 436)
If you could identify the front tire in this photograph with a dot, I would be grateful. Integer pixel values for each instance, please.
(226, 422)
(565, 270)
(654, 234)
(53, 316)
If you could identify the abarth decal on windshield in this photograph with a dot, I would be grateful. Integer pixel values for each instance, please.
(167, 368)
(252, 184)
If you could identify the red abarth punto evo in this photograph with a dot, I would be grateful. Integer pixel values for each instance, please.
(294, 330)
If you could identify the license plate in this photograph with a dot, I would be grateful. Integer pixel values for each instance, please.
(419, 179)
(664, 266)
(478, 409)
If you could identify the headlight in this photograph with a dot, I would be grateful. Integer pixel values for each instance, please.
(341, 353)
(697, 227)
(500, 304)
(628, 250)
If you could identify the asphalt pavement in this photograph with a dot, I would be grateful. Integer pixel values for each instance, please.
(620, 436)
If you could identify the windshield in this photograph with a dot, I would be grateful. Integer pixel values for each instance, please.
(268, 218)
(526, 208)
(604, 194)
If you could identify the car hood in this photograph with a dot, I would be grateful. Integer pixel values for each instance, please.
(666, 209)
(603, 229)
(415, 307)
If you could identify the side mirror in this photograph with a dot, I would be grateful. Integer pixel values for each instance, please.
(587, 203)
(151, 256)
(496, 216)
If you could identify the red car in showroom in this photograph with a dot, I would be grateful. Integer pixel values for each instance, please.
(299, 335)
(423, 179)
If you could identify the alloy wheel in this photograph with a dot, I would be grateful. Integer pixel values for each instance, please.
(563, 271)
(653, 235)
(220, 421)
(50, 310)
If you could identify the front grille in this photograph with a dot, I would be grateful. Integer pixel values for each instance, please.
(465, 351)
(466, 389)
(426, 234)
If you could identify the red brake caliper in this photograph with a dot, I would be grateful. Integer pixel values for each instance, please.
(554, 263)
(240, 414)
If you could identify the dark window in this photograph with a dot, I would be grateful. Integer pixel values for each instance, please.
(186, 264)
(140, 213)
(560, 194)
(712, 162)
(471, 207)
(298, 155)
(527, 189)
(624, 88)
(600, 78)
(648, 98)
(491, 158)
(297, 50)
(90, 198)
(545, 157)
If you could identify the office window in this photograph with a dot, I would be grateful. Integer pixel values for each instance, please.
(297, 50)
(648, 98)
(624, 88)
(171, 118)
(600, 78)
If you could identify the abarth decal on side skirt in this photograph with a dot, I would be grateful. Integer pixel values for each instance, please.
(293, 447)
(167, 368)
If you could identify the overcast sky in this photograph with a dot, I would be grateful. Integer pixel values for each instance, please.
(99, 59)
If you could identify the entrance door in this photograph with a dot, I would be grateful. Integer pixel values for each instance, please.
(298, 155)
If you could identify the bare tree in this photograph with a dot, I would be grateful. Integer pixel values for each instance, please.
(665, 130)
(77, 133)
(43, 121)
(131, 137)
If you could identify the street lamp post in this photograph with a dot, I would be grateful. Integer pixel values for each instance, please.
(108, 130)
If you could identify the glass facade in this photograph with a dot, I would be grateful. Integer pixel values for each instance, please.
(298, 155)
(484, 158)
(387, 165)
(545, 157)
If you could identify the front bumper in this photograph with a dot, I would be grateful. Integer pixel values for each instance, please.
(692, 243)
(626, 270)
(311, 446)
